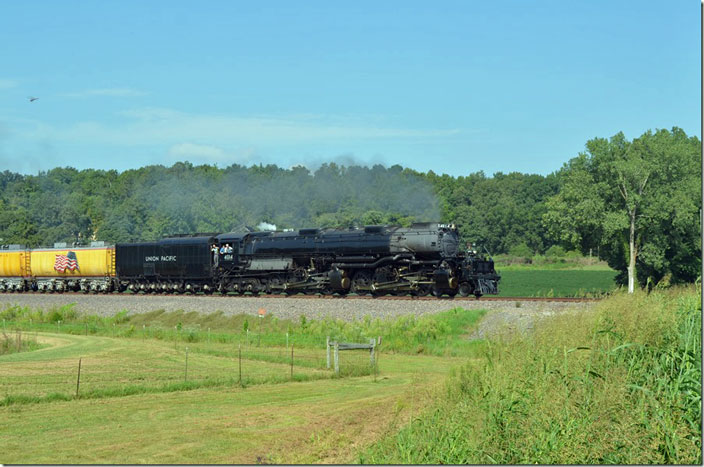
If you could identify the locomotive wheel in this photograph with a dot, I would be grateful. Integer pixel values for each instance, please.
(464, 289)
(422, 290)
(385, 274)
(361, 283)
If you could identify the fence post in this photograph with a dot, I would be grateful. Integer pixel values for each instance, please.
(185, 376)
(240, 360)
(337, 358)
(372, 342)
(327, 350)
(291, 362)
(78, 379)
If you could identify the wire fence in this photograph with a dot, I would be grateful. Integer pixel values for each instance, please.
(132, 366)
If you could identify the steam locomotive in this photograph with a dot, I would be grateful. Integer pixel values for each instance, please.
(420, 260)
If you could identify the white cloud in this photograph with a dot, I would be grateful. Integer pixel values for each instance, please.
(108, 92)
(159, 126)
(208, 153)
(216, 138)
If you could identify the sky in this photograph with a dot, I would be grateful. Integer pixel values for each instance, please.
(450, 86)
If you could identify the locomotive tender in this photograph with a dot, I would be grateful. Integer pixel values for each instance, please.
(425, 258)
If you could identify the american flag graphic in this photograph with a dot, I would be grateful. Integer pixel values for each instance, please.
(67, 261)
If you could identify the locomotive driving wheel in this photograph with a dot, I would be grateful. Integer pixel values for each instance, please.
(361, 283)
(422, 290)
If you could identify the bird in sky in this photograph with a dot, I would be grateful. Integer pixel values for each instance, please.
(32, 99)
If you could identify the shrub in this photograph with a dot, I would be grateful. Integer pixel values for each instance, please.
(555, 251)
(521, 251)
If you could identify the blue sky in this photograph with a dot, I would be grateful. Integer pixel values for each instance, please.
(452, 86)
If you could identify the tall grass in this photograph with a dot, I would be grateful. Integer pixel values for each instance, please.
(430, 334)
(622, 385)
(14, 342)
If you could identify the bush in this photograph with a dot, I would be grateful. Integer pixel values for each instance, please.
(521, 250)
(63, 313)
(555, 251)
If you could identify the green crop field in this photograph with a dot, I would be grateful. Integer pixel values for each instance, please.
(534, 282)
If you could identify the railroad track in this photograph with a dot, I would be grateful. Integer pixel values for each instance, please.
(335, 297)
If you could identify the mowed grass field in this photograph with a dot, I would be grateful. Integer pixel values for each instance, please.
(135, 405)
(325, 420)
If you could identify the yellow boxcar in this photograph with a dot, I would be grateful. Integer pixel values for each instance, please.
(73, 262)
(13, 263)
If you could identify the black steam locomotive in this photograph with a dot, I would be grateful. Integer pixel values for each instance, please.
(420, 260)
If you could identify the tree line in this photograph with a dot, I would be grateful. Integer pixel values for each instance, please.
(637, 203)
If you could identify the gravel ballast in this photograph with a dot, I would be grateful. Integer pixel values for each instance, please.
(503, 315)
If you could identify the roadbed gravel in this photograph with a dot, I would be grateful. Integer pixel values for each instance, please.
(509, 315)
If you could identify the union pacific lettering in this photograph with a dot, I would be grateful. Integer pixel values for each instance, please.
(159, 258)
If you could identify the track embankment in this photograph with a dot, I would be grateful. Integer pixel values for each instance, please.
(312, 307)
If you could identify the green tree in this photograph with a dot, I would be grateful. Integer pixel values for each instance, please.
(638, 201)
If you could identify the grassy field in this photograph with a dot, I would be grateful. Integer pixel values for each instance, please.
(534, 282)
(135, 407)
(570, 276)
(325, 420)
(619, 385)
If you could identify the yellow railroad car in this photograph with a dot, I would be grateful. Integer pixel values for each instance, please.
(78, 268)
(12, 263)
(14, 269)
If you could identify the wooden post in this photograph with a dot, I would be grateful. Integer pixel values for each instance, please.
(78, 379)
(185, 376)
(240, 359)
(375, 365)
(327, 349)
(292, 363)
(337, 358)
